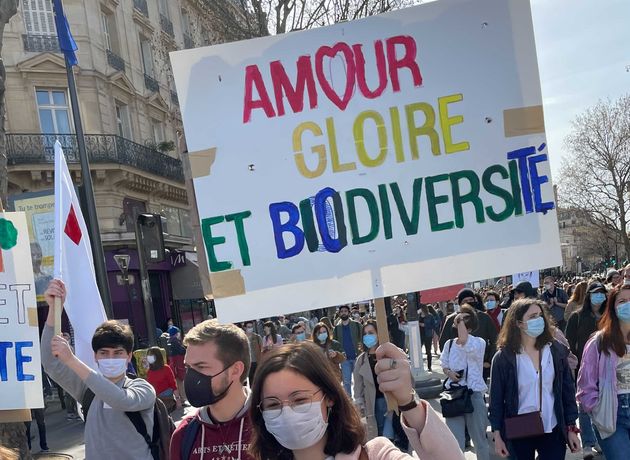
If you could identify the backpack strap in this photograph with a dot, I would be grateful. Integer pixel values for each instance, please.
(190, 434)
(86, 402)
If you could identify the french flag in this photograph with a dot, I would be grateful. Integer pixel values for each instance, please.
(74, 264)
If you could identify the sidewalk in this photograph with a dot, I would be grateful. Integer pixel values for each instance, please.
(66, 436)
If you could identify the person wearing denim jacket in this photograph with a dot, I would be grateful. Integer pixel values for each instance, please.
(504, 388)
(605, 354)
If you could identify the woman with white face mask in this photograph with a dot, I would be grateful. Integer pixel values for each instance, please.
(333, 350)
(532, 391)
(300, 410)
(604, 377)
(162, 378)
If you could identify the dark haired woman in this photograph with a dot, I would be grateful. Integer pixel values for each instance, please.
(530, 359)
(161, 377)
(271, 337)
(366, 392)
(605, 370)
(580, 327)
(300, 410)
(462, 362)
(322, 337)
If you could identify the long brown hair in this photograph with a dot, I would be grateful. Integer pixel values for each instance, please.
(345, 431)
(579, 294)
(612, 338)
(318, 327)
(510, 335)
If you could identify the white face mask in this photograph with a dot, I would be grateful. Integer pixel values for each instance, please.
(294, 430)
(151, 359)
(112, 368)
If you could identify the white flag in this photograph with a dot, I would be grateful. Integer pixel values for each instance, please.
(74, 264)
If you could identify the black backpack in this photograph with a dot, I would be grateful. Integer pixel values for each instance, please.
(163, 425)
(188, 441)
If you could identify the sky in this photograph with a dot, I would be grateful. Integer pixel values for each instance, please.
(583, 49)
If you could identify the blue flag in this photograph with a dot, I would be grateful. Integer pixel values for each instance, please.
(66, 41)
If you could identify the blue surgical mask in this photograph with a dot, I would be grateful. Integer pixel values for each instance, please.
(598, 298)
(491, 304)
(623, 312)
(535, 327)
(322, 336)
(370, 340)
(301, 337)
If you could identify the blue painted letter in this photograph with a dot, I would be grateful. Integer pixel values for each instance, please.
(290, 226)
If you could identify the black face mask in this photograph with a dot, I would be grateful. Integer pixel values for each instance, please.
(198, 388)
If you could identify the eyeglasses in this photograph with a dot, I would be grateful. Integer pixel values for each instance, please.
(299, 402)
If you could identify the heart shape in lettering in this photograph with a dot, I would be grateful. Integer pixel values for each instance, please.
(324, 83)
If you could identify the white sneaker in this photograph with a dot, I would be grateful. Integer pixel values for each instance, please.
(597, 448)
(588, 453)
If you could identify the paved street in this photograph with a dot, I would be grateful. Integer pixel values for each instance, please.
(66, 437)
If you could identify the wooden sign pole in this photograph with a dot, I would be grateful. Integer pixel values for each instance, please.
(383, 337)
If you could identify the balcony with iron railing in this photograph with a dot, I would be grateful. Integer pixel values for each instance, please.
(30, 149)
(151, 83)
(115, 61)
(141, 5)
(40, 43)
(167, 25)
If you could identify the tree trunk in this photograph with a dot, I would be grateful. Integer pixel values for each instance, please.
(8, 8)
(12, 435)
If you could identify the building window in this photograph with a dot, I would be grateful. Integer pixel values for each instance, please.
(123, 120)
(147, 55)
(163, 7)
(38, 17)
(54, 113)
(157, 128)
(176, 220)
(132, 209)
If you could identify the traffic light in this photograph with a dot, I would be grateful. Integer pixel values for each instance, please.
(152, 237)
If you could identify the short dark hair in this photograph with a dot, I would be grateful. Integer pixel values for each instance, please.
(112, 334)
(297, 326)
(159, 358)
(232, 343)
(345, 431)
(493, 293)
(344, 306)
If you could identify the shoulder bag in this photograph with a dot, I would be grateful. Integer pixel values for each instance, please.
(530, 424)
(456, 400)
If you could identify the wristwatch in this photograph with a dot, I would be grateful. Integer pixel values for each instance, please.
(412, 404)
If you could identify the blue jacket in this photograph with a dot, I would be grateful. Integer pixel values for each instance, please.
(504, 389)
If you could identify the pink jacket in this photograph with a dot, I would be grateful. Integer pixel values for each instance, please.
(592, 374)
(434, 442)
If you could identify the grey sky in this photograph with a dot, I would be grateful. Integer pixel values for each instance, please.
(583, 50)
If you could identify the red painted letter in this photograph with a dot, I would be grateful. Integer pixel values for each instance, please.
(331, 52)
(295, 95)
(380, 67)
(254, 78)
(408, 60)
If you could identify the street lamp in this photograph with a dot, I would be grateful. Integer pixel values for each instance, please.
(122, 260)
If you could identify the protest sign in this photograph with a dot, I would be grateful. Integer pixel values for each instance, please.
(533, 277)
(20, 364)
(393, 154)
(39, 208)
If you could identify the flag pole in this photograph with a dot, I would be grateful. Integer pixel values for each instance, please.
(92, 219)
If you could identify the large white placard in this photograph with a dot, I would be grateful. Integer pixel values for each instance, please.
(20, 363)
(533, 277)
(393, 154)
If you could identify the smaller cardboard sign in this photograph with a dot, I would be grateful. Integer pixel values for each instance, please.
(532, 276)
(20, 363)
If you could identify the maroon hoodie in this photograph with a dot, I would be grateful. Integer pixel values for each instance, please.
(223, 441)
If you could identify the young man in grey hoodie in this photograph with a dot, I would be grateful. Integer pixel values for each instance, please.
(109, 434)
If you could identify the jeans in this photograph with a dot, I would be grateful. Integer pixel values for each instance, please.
(476, 423)
(428, 342)
(380, 409)
(38, 415)
(587, 435)
(550, 446)
(347, 368)
(617, 446)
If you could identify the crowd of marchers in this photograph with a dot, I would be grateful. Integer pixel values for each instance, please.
(544, 369)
